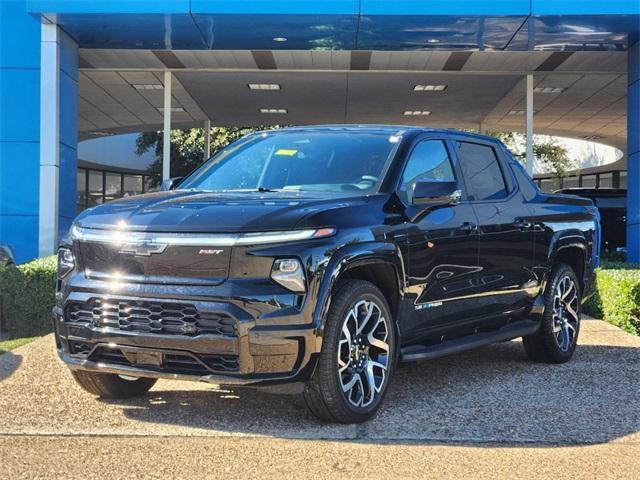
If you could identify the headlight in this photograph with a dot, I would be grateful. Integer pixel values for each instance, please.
(288, 272)
(66, 261)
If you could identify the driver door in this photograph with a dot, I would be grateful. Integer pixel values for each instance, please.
(443, 243)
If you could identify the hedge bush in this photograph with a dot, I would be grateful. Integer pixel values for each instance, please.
(27, 293)
(617, 298)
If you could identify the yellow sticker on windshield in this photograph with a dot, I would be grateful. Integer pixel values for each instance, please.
(288, 153)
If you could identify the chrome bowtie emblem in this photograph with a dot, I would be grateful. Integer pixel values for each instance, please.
(143, 249)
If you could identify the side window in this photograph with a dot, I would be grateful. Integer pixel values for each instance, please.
(528, 188)
(482, 174)
(428, 160)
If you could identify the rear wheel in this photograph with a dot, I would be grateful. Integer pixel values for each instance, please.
(557, 337)
(107, 385)
(357, 356)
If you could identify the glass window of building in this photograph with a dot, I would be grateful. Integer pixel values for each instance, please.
(81, 194)
(570, 182)
(589, 181)
(550, 184)
(623, 180)
(132, 185)
(113, 186)
(606, 180)
(96, 189)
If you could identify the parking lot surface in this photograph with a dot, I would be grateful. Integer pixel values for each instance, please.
(485, 414)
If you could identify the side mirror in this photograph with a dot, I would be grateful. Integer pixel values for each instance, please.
(170, 184)
(429, 192)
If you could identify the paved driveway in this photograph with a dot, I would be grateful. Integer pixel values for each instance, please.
(488, 413)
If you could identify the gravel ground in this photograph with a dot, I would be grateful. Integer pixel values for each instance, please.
(487, 413)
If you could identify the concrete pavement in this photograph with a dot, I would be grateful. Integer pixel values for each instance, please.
(487, 414)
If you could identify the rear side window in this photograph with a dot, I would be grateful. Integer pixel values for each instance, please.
(429, 160)
(482, 174)
(527, 186)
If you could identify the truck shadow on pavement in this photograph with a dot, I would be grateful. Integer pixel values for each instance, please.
(9, 364)
(492, 395)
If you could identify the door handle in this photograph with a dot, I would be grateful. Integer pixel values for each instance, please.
(523, 224)
(468, 227)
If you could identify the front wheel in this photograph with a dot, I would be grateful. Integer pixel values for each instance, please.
(557, 337)
(357, 357)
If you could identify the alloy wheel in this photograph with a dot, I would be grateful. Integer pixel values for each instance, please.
(363, 353)
(565, 313)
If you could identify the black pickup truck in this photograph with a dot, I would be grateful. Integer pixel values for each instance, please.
(317, 258)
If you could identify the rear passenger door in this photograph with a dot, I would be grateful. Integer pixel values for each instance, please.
(506, 281)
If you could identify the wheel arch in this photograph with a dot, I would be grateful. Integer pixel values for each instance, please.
(376, 262)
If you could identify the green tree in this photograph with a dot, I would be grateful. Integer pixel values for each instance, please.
(554, 157)
(187, 148)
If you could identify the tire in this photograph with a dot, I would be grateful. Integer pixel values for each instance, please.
(334, 393)
(557, 337)
(108, 385)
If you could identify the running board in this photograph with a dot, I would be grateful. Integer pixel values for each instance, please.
(456, 345)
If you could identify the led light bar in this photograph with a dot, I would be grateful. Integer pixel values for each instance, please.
(147, 86)
(549, 89)
(273, 110)
(430, 88)
(417, 113)
(173, 109)
(263, 86)
(121, 237)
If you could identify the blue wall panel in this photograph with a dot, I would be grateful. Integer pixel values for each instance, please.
(585, 7)
(300, 7)
(633, 158)
(439, 7)
(21, 234)
(108, 6)
(20, 42)
(20, 105)
(19, 178)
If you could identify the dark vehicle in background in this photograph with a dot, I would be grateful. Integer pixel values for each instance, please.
(317, 258)
(612, 204)
(6, 256)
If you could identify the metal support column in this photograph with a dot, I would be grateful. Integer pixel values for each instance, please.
(633, 153)
(49, 139)
(207, 139)
(166, 134)
(529, 127)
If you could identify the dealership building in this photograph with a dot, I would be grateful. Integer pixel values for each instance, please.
(73, 70)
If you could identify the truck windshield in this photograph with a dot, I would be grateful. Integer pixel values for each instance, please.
(297, 161)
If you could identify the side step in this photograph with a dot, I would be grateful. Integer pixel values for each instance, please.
(456, 345)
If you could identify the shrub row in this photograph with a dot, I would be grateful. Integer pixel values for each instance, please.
(617, 298)
(27, 296)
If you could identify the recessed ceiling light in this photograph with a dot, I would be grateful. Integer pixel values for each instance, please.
(173, 109)
(429, 88)
(102, 134)
(273, 110)
(433, 40)
(517, 112)
(263, 86)
(549, 89)
(279, 39)
(592, 137)
(417, 113)
(147, 86)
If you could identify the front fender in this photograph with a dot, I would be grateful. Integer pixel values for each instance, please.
(348, 257)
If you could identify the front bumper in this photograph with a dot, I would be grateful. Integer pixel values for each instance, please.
(254, 354)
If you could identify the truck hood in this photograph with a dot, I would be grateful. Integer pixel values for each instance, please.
(195, 211)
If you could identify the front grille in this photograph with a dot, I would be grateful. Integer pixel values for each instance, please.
(150, 317)
(178, 363)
